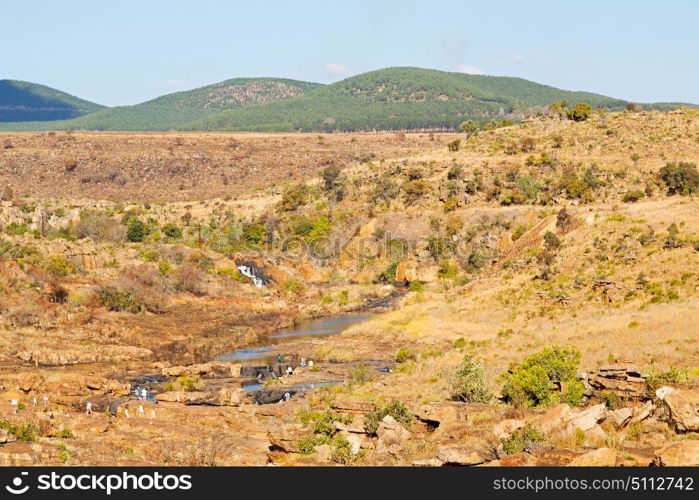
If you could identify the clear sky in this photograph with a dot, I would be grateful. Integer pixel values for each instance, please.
(124, 51)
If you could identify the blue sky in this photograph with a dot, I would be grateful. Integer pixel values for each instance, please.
(124, 52)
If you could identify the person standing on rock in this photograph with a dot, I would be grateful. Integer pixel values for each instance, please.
(88, 408)
(144, 394)
(35, 402)
(280, 358)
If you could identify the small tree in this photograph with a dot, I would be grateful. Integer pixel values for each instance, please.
(135, 229)
(580, 112)
(680, 178)
(468, 383)
(470, 128)
(293, 197)
(331, 173)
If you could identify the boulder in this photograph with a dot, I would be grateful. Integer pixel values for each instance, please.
(588, 418)
(391, 432)
(619, 418)
(682, 453)
(29, 382)
(231, 396)
(555, 419)
(286, 437)
(602, 457)
(467, 454)
(6, 437)
(323, 453)
(356, 426)
(354, 440)
(682, 406)
(643, 412)
(662, 392)
(199, 370)
(430, 462)
(519, 460)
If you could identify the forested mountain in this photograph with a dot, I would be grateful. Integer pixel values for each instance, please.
(387, 99)
(400, 98)
(173, 110)
(26, 101)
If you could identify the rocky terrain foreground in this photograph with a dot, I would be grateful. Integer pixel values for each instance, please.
(526, 295)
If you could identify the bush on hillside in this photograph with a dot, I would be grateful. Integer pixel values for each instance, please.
(468, 383)
(680, 178)
(580, 112)
(544, 379)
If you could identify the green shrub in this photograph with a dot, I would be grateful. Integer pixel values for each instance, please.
(447, 270)
(680, 178)
(172, 230)
(66, 434)
(535, 382)
(184, 383)
(530, 186)
(16, 229)
(524, 439)
(580, 112)
(633, 196)
(116, 300)
(330, 175)
(359, 374)
(23, 432)
(136, 229)
(415, 190)
(293, 197)
(405, 354)
(468, 383)
(388, 275)
(58, 266)
(512, 197)
(312, 228)
(470, 128)
(395, 408)
(254, 234)
(454, 145)
(656, 379)
(455, 172)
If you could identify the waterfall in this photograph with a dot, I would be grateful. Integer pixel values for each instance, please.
(249, 271)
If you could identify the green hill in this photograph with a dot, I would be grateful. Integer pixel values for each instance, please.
(387, 99)
(400, 98)
(26, 101)
(173, 110)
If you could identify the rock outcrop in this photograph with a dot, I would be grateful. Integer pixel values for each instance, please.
(682, 407)
(682, 453)
(624, 379)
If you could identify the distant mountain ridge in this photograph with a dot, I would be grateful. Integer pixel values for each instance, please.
(26, 101)
(388, 99)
